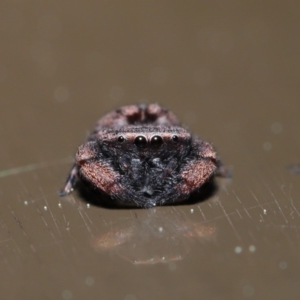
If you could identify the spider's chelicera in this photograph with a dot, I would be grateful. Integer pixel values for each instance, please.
(139, 155)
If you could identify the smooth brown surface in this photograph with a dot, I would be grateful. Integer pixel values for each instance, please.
(229, 70)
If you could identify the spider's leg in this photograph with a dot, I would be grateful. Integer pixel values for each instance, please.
(201, 166)
(223, 171)
(70, 183)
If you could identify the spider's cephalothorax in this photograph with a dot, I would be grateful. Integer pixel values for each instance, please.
(139, 155)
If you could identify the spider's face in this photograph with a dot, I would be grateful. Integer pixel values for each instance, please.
(143, 140)
(143, 162)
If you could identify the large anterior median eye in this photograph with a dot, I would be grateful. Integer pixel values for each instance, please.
(175, 138)
(121, 139)
(156, 141)
(140, 141)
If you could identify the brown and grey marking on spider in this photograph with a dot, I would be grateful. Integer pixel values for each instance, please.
(140, 155)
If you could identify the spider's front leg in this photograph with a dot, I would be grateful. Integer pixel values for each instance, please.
(201, 164)
(92, 166)
(222, 170)
(70, 183)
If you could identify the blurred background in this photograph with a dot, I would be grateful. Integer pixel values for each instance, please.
(228, 69)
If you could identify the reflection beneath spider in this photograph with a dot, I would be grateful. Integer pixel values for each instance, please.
(157, 235)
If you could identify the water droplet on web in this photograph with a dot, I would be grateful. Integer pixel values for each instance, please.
(252, 248)
(282, 265)
(238, 250)
(66, 294)
(89, 281)
(267, 146)
(276, 127)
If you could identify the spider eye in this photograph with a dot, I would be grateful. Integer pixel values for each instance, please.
(121, 139)
(175, 138)
(156, 141)
(140, 141)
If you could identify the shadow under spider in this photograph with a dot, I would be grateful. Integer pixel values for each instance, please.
(94, 197)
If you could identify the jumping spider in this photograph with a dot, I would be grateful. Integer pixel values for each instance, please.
(139, 155)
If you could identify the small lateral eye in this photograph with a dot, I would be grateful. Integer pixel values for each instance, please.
(121, 139)
(156, 140)
(175, 138)
(140, 141)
